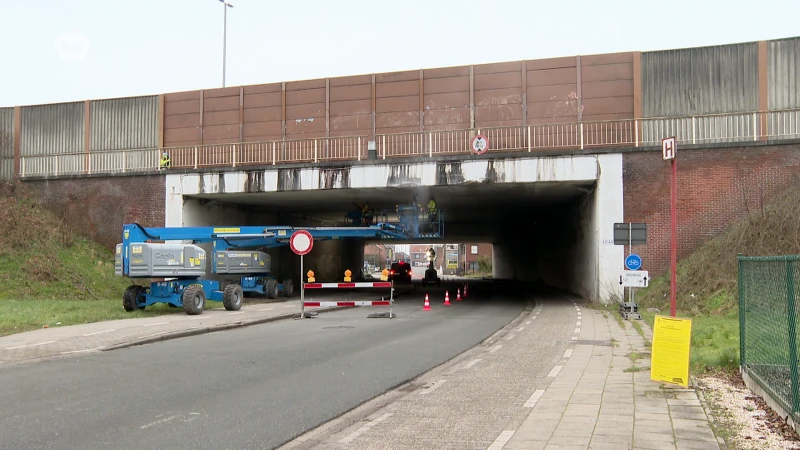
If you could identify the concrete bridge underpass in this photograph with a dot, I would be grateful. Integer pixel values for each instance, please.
(550, 219)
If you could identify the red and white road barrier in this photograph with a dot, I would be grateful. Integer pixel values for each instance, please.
(347, 303)
(378, 284)
(353, 303)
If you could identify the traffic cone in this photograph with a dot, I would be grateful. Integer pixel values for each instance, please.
(466, 286)
(446, 298)
(427, 306)
(458, 295)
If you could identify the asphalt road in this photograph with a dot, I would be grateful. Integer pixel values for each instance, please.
(255, 387)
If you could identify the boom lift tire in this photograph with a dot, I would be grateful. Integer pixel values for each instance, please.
(271, 288)
(130, 298)
(288, 287)
(232, 297)
(194, 299)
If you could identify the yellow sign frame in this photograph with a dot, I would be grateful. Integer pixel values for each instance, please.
(671, 351)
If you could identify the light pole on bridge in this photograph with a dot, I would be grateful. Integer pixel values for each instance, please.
(225, 6)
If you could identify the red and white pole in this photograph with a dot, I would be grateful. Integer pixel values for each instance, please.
(669, 151)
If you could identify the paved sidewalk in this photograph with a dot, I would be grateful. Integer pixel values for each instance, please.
(108, 335)
(558, 377)
(603, 398)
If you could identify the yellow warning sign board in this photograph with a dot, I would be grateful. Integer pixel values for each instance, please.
(672, 343)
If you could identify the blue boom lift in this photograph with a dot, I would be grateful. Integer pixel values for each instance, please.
(144, 253)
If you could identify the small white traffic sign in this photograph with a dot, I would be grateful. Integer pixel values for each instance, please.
(301, 242)
(479, 144)
(634, 278)
(668, 148)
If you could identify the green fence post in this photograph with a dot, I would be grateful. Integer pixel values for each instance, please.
(792, 335)
(741, 313)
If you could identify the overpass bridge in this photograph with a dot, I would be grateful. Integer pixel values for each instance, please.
(573, 146)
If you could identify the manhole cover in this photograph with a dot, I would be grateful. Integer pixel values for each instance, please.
(590, 342)
(340, 327)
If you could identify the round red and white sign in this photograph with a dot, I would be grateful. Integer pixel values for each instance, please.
(479, 144)
(301, 242)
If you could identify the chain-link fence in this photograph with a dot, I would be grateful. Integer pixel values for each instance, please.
(768, 313)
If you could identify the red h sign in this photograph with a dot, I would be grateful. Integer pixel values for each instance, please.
(668, 148)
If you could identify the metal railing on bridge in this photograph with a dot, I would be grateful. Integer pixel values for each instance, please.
(716, 128)
(768, 327)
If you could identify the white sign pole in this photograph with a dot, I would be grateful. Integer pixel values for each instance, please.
(302, 290)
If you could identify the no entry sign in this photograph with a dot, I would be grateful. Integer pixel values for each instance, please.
(301, 242)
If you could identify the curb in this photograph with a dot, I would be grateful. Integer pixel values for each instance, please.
(723, 445)
(212, 329)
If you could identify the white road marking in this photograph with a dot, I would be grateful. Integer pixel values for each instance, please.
(501, 440)
(568, 353)
(574, 338)
(165, 420)
(495, 348)
(234, 313)
(577, 330)
(352, 436)
(578, 324)
(30, 345)
(508, 338)
(433, 388)
(534, 398)
(520, 329)
(195, 318)
(472, 363)
(266, 309)
(80, 351)
(154, 324)
(555, 371)
(528, 322)
(288, 306)
(99, 332)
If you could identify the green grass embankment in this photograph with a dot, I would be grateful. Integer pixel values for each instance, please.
(707, 281)
(50, 275)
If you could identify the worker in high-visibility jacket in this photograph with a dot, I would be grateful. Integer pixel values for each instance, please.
(432, 211)
(164, 162)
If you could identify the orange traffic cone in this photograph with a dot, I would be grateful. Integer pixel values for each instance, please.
(446, 298)
(458, 295)
(427, 306)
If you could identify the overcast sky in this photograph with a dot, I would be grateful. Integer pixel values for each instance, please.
(59, 50)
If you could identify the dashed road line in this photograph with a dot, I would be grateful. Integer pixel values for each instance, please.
(501, 440)
(534, 398)
(528, 322)
(568, 353)
(30, 345)
(195, 318)
(99, 332)
(435, 386)
(288, 306)
(352, 436)
(265, 309)
(154, 324)
(472, 363)
(555, 371)
(578, 324)
(520, 329)
(510, 337)
(495, 348)
(577, 330)
(234, 313)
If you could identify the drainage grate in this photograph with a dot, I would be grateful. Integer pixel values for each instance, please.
(590, 342)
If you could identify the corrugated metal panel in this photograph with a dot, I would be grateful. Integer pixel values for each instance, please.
(6, 132)
(125, 123)
(783, 73)
(52, 129)
(706, 80)
(6, 169)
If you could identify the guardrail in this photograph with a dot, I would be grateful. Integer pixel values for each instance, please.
(716, 128)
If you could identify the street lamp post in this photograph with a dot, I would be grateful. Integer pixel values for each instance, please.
(225, 7)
